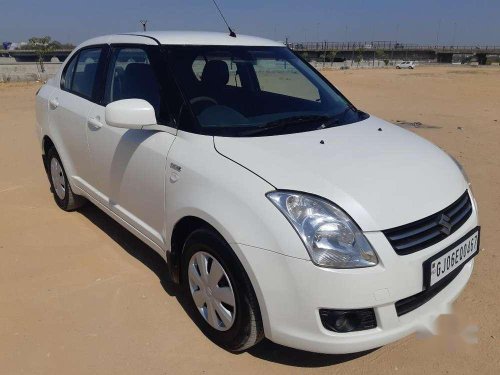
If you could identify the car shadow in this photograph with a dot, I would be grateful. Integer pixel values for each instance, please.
(265, 350)
(269, 351)
(131, 244)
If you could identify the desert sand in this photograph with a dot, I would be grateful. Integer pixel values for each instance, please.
(80, 295)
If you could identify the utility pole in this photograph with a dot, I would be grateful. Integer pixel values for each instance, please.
(324, 54)
(393, 46)
(144, 23)
(287, 46)
(454, 33)
(438, 31)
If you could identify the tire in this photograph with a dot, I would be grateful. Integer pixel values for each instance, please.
(59, 184)
(245, 329)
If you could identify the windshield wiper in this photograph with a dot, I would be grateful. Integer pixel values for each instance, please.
(284, 123)
(338, 118)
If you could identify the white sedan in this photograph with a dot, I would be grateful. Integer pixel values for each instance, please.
(281, 209)
(406, 65)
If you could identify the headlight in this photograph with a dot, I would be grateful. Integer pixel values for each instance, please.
(330, 236)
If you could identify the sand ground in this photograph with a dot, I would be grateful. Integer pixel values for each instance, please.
(80, 295)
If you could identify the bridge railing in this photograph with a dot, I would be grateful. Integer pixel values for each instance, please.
(387, 45)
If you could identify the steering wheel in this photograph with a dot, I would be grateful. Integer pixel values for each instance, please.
(199, 99)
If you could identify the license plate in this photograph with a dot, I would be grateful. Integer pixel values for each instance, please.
(450, 259)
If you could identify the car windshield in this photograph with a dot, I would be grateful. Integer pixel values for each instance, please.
(253, 91)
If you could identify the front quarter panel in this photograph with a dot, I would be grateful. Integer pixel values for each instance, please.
(227, 196)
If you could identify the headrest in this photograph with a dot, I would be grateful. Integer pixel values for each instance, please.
(90, 70)
(215, 73)
(139, 82)
(139, 71)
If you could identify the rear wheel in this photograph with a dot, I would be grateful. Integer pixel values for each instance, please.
(61, 189)
(219, 293)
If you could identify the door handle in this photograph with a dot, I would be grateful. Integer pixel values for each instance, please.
(94, 124)
(53, 103)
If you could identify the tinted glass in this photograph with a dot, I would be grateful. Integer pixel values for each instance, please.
(200, 63)
(67, 78)
(236, 91)
(85, 73)
(279, 77)
(131, 76)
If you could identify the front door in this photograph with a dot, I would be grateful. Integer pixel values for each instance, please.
(129, 165)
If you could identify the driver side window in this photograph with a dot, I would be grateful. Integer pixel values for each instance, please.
(131, 76)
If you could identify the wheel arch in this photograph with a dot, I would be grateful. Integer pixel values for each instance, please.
(53, 141)
(47, 144)
(183, 227)
(181, 231)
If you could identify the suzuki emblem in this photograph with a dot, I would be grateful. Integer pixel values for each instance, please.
(444, 221)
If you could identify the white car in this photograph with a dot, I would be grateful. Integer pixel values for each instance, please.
(406, 65)
(281, 209)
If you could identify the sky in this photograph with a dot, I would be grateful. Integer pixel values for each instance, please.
(465, 22)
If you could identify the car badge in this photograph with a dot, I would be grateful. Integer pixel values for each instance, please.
(446, 226)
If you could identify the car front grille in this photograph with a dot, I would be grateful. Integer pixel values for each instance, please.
(426, 232)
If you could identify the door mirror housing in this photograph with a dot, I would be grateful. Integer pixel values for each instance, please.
(130, 114)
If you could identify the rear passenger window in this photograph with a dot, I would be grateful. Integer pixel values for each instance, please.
(85, 72)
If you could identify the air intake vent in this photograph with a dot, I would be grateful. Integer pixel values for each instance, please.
(411, 303)
(426, 232)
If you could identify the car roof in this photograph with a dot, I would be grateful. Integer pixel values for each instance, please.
(184, 38)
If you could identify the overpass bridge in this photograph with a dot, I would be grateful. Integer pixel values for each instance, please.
(393, 50)
(32, 56)
(344, 51)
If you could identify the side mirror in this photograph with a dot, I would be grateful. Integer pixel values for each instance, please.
(130, 114)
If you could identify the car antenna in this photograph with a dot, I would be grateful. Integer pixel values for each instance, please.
(231, 32)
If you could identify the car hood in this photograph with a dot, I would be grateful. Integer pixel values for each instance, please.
(382, 175)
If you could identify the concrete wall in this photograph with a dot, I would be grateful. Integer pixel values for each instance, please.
(16, 72)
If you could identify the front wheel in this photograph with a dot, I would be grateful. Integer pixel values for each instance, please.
(219, 293)
(61, 189)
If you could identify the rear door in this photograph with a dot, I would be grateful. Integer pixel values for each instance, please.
(69, 106)
(129, 166)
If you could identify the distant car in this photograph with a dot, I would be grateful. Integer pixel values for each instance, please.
(406, 65)
(281, 209)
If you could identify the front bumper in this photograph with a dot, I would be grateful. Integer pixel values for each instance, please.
(291, 291)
